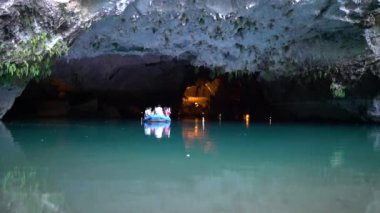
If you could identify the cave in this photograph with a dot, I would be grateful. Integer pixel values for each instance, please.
(122, 56)
(125, 85)
(189, 106)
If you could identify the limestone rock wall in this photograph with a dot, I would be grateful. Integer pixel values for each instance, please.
(338, 40)
(8, 94)
(270, 36)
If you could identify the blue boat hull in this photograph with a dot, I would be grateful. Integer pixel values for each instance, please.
(157, 118)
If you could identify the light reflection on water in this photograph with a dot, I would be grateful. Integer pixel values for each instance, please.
(158, 130)
(201, 167)
(375, 136)
(194, 134)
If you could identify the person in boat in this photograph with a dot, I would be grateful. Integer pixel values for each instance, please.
(148, 112)
(158, 111)
(167, 111)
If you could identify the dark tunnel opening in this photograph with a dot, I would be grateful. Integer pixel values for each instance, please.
(121, 87)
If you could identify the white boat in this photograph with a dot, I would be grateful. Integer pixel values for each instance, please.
(157, 118)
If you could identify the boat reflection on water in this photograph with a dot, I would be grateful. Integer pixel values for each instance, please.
(157, 129)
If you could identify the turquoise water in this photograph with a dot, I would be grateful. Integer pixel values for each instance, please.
(189, 166)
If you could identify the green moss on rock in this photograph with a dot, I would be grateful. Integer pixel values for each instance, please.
(31, 59)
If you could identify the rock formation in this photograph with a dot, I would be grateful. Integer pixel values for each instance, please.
(302, 42)
(21, 20)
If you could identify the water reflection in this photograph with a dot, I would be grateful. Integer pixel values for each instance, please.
(375, 136)
(194, 133)
(23, 191)
(10, 152)
(112, 167)
(158, 130)
(246, 118)
(337, 158)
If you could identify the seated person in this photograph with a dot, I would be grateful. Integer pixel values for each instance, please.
(148, 112)
(167, 111)
(158, 110)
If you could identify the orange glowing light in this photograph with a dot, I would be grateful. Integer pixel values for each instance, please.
(246, 119)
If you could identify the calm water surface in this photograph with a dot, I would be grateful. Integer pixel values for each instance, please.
(188, 167)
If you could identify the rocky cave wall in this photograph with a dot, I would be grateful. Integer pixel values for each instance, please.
(106, 86)
(297, 47)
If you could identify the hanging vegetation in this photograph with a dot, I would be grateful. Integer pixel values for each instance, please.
(30, 59)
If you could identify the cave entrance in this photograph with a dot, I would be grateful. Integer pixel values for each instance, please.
(114, 86)
(231, 96)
